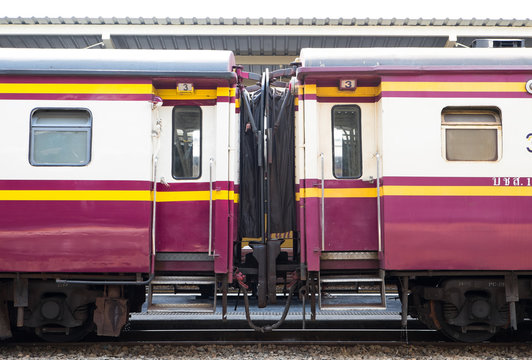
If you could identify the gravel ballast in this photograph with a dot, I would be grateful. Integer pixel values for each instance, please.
(303, 352)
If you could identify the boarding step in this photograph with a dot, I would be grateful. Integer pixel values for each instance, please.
(349, 255)
(182, 304)
(352, 292)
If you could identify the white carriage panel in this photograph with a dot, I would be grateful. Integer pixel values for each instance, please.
(516, 120)
(412, 138)
(122, 146)
(368, 135)
(208, 142)
(312, 136)
(120, 141)
(164, 162)
(14, 138)
(299, 141)
(379, 133)
(221, 140)
(234, 145)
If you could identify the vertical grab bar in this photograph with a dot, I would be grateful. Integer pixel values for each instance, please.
(211, 162)
(379, 231)
(155, 160)
(322, 156)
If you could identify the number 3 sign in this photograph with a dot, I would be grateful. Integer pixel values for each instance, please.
(348, 84)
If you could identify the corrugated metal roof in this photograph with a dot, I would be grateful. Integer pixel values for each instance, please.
(253, 37)
(65, 41)
(264, 21)
(270, 45)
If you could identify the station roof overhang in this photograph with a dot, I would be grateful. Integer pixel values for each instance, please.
(257, 43)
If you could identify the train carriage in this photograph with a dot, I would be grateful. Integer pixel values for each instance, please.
(418, 157)
(116, 166)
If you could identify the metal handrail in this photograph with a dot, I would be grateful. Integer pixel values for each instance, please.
(211, 162)
(322, 156)
(379, 231)
(154, 211)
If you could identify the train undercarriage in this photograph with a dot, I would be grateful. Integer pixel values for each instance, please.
(469, 306)
(466, 307)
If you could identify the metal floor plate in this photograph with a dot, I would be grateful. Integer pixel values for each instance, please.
(272, 312)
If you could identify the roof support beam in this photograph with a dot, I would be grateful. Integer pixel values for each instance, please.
(270, 30)
(107, 42)
(265, 60)
(451, 41)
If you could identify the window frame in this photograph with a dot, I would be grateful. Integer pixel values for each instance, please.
(59, 128)
(471, 110)
(358, 138)
(174, 110)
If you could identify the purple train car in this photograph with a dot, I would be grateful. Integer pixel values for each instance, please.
(414, 163)
(116, 167)
(127, 172)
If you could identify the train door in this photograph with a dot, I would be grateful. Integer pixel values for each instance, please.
(338, 187)
(194, 191)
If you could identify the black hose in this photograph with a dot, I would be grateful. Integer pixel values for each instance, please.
(267, 328)
(303, 293)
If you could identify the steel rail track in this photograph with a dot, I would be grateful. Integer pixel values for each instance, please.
(250, 337)
(212, 333)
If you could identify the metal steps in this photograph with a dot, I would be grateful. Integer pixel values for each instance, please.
(200, 306)
(341, 292)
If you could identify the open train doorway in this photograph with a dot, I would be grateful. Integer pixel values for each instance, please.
(268, 244)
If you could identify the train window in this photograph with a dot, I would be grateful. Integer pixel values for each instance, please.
(471, 134)
(347, 154)
(60, 137)
(186, 152)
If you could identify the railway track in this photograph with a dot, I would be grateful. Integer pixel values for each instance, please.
(377, 340)
(236, 333)
(279, 337)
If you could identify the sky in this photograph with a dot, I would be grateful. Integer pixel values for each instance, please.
(387, 9)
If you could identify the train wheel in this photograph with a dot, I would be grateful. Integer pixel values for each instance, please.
(441, 312)
(63, 333)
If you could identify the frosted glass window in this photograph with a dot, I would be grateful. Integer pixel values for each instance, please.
(471, 134)
(471, 144)
(60, 137)
(470, 118)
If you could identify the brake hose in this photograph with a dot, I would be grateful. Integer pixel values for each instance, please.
(266, 328)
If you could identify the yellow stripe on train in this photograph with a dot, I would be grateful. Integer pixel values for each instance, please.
(177, 196)
(197, 94)
(454, 86)
(394, 190)
(75, 195)
(338, 193)
(9, 88)
(366, 91)
(114, 195)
